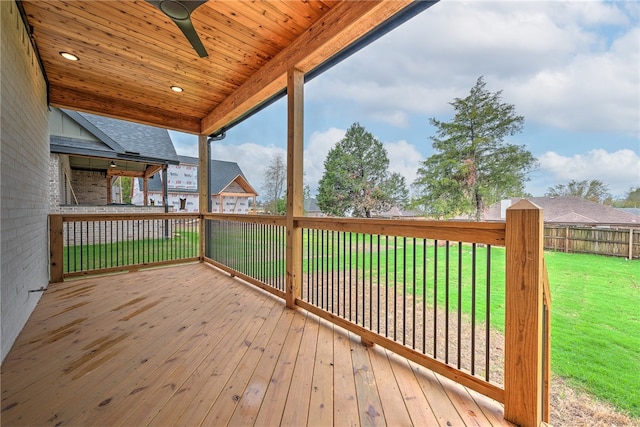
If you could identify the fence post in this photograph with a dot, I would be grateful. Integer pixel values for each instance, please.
(295, 149)
(523, 373)
(630, 244)
(56, 249)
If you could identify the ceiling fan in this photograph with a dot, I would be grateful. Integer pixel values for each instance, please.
(180, 13)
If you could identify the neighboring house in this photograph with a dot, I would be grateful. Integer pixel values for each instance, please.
(311, 208)
(568, 210)
(89, 152)
(632, 211)
(230, 190)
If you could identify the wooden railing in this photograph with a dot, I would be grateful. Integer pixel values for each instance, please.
(250, 247)
(430, 291)
(415, 288)
(83, 244)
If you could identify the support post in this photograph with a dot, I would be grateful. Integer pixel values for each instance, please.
(631, 244)
(523, 372)
(295, 149)
(109, 197)
(56, 249)
(145, 190)
(203, 189)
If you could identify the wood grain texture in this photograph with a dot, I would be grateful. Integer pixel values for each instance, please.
(523, 374)
(189, 345)
(130, 54)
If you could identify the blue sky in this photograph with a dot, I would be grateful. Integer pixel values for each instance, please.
(572, 69)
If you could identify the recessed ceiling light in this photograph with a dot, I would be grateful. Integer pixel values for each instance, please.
(69, 56)
(176, 88)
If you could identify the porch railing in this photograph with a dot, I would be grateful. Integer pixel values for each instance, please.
(443, 294)
(102, 243)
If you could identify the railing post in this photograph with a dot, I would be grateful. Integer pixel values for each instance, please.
(295, 148)
(523, 371)
(203, 190)
(56, 249)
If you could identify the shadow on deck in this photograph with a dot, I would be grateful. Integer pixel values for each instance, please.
(188, 345)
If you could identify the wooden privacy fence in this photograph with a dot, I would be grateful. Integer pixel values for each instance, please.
(619, 241)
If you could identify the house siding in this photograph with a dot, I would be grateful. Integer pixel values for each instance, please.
(24, 177)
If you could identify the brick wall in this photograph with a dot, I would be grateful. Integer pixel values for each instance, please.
(24, 177)
(111, 209)
(90, 187)
(55, 179)
(59, 189)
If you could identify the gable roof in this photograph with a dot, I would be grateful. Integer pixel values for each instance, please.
(311, 205)
(223, 173)
(117, 139)
(568, 210)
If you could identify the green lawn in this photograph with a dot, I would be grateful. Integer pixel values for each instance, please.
(184, 244)
(596, 325)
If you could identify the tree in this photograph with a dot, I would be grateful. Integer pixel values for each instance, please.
(473, 166)
(274, 186)
(593, 190)
(631, 200)
(356, 179)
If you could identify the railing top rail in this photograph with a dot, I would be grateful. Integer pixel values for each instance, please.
(122, 216)
(256, 219)
(471, 232)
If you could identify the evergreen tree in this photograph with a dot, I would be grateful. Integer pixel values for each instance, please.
(473, 166)
(356, 179)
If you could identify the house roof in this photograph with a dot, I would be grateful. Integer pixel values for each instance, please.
(116, 139)
(223, 173)
(568, 210)
(311, 205)
(131, 138)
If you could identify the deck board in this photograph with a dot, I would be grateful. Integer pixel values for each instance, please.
(188, 345)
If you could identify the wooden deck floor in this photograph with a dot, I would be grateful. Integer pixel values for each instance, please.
(189, 345)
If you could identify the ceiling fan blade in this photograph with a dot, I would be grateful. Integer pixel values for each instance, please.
(180, 13)
(190, 33)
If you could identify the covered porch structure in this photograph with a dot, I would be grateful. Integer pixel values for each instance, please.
(162, 346)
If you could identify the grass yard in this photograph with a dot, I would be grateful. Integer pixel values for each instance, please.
(184, 244)
(596, 325)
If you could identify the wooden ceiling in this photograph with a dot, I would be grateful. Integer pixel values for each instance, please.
(130, 54)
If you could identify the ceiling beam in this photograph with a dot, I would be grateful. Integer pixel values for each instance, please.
(133, 174)
(117, 108)
(152, 170)
(341, 26)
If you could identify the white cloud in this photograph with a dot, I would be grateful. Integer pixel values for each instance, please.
(404, 158)
(619, 170)
(316, 152)
(252, 159)
(572, 65)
